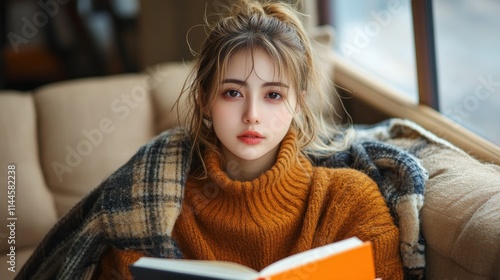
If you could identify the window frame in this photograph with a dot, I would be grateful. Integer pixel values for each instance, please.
(393, 103)
(425, 53)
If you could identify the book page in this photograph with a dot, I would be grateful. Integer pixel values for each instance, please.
(215, 269)
(310, 256)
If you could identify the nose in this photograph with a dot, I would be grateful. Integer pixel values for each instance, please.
(251, 114)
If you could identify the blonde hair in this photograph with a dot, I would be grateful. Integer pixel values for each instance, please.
(277, 29)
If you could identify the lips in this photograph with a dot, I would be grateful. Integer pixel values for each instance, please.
(251, 137)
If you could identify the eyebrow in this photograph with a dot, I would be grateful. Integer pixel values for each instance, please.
(244, 83)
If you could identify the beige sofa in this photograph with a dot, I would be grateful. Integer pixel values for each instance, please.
(64, 138)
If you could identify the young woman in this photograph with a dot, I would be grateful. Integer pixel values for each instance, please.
(252, 196)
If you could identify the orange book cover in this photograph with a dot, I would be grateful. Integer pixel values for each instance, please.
(346, 259)
(354, 263)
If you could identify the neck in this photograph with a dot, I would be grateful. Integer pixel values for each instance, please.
(247, 170)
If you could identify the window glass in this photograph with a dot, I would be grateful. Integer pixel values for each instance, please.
(377, 36)
(467, 40)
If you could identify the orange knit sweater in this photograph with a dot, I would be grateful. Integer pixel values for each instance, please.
(290, 208)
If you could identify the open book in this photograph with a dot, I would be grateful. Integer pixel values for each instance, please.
(346, 259)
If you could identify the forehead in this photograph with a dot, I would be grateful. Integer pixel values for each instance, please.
(242, 64)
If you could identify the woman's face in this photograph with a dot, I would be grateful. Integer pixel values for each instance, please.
(253, 109)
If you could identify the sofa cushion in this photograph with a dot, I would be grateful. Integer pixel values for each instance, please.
(461, 214)
(33, 203)
(88, 128)
(166, 81)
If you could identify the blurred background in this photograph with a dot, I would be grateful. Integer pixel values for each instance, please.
(45, 41)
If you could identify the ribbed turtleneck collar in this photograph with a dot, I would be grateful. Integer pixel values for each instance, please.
(287, 167)
(275, 197)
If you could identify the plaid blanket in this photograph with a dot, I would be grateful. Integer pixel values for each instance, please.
(137, 206)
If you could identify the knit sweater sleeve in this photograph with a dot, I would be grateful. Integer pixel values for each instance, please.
(354, 206)
(115, 264)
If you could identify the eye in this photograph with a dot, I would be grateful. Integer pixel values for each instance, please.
(232, 93)
(274, 96)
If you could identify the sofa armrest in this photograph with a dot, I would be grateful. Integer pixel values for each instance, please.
(27, 206)
(461, 215)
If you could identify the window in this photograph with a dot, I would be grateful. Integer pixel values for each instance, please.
(468, 60)
(377, 37)
(364, 30)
